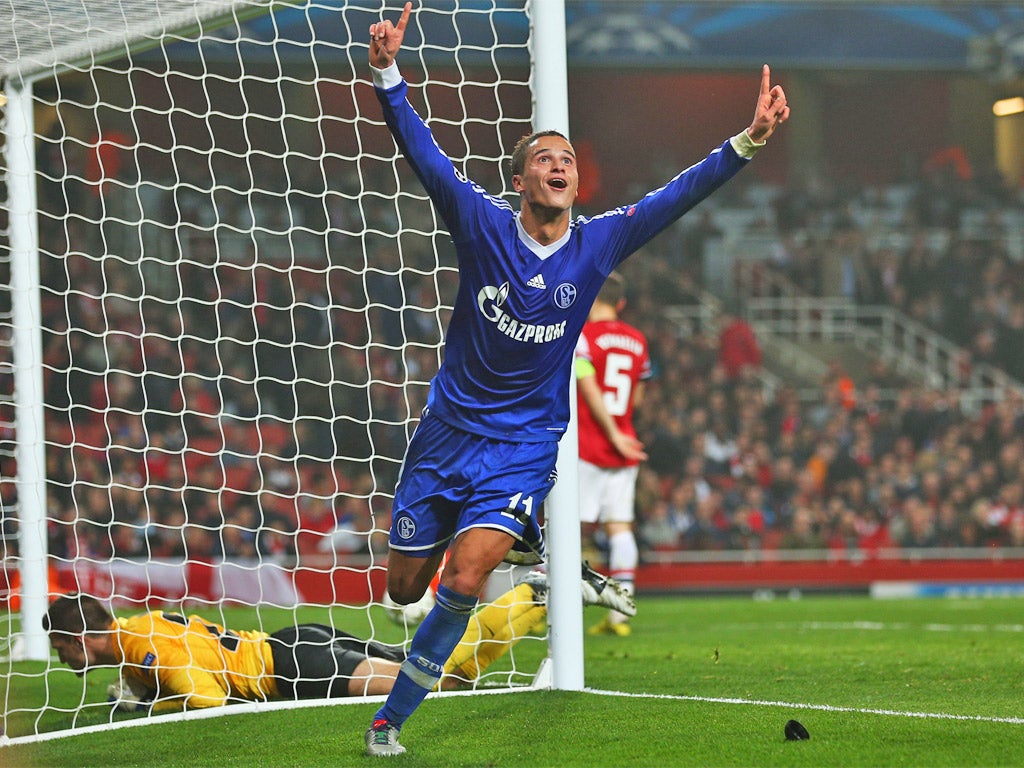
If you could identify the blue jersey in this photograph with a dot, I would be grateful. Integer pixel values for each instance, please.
(521, 305)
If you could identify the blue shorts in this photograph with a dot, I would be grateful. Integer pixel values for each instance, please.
(453, 480)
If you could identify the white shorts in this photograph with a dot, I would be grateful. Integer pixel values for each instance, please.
(606, 495)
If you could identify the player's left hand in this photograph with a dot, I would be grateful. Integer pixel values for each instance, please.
(771, 110)
(628, 446)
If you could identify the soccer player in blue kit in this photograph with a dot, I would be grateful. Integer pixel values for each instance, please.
(482, 458)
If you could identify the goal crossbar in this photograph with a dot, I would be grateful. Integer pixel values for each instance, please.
(76, 35)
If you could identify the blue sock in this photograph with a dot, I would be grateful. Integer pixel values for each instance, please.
(431, 646)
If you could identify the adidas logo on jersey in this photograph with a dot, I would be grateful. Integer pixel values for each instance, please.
(537, 281)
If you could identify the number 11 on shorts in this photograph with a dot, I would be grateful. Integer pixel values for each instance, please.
(513, 507)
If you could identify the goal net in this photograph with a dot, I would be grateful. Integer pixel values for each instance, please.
(241, 290)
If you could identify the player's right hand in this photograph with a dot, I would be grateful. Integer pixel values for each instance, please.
(386, 38)
(124, 698)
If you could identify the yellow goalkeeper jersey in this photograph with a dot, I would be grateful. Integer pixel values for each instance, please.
(191, 662)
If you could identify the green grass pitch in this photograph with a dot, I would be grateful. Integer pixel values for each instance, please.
(701, 682)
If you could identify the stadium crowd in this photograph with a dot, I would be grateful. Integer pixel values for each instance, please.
(847, 470)
(730, 470)
(235, 407)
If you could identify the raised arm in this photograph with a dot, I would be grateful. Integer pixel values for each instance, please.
(452, 193)
(386, 38)
(770, 111)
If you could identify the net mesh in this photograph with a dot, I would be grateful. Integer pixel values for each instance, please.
(243, 291)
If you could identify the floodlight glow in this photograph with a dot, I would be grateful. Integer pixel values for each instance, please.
(1005, 107)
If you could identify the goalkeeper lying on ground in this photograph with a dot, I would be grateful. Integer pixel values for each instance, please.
(187, 662)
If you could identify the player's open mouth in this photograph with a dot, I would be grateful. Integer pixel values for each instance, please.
(559, 183)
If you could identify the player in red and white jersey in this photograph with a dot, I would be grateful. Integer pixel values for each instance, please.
(612, 364)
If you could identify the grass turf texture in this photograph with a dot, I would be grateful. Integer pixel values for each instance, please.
(721, 677)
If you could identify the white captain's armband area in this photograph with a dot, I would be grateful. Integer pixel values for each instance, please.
(386, 78)
(745, 146)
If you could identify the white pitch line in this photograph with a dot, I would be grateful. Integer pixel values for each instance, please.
(250, 707)
(877, 626)
(814, 707)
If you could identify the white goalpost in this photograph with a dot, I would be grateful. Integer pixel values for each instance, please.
(551, 97)
(225, 296)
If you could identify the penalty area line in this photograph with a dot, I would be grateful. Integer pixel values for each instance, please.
(813, 707)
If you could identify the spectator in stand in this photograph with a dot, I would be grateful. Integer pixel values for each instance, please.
(657, 530)
(738, 350)
(705, 530)
(750, 519)
(683, 497)
(803, 531)
(817, 467)
(840, 387)
(720, 455)
(668, 442)
(915, 528)
(352, 529)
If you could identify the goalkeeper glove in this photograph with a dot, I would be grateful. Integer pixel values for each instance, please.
(122, 695)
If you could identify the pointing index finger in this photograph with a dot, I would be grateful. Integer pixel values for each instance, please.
(766, 80)
(405, 17)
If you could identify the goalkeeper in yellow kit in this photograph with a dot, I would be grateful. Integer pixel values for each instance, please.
(186, 662)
